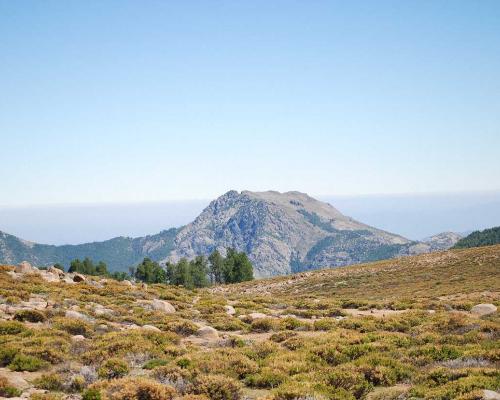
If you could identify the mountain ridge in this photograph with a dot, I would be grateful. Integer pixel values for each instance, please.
(281, 232)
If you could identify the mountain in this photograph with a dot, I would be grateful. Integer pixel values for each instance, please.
(287, 232)
(119, 253)
(442, 241)
(486, 237)
(281, 233)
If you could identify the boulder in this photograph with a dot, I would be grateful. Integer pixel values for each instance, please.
(229, 310)
(483, 309)
(256, 315)
(25, 268)
(151, 328)
(55, 271)
(79, 278)
(490, 395)
(207, 332)
(49, 277)
(99, 311)
(76, 315)
(127, 283)
(163, 306)
(77, 338)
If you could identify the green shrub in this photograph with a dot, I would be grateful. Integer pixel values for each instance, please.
(51, 382)
(73, 326)
(92, 394)
(262, 325)
(11, 328)
(113, 368)
(23, 362)
(266, 378)
(350, 380)
(7, 354)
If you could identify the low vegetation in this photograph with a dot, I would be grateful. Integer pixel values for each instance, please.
(397, 329)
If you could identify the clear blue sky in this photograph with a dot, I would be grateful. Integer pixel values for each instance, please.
(118, 101)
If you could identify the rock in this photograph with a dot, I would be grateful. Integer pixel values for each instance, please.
(25, 268)
(101, 328)
(151, 328)
(490, 395)
(55, 271)
(127, 283)
(68, 279)
(77, 315)
(49, 277)
(100, 311)
(77, 338)
(483, 309)
(230, 310)
(256, 315)
(207, 332)
(79, 278)
(163, 306)
(15, 379)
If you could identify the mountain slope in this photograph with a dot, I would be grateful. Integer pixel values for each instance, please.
(442, 241)
(119, 253)
(287, 232)
(486, 237)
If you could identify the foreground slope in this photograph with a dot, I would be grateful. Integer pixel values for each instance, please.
(406, 328)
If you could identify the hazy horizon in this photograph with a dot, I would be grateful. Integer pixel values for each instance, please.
(414, 216)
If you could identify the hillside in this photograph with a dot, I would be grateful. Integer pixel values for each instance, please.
(417, 327)
(119, 253)
(282, 233)
(486, 237)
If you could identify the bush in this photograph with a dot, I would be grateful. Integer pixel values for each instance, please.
(6, 390)
(266, 378)
(92, 394)
(137, 389)
(282, 336)
(217, 387)
(113, 368)
(7, 354)
(11, 328)
(73, 326)
(262, 325)
(350, 380)
(51, 382)
(22, 362)
(30, 316)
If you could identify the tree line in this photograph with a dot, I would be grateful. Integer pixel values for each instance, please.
(198, 272)
(88, 267)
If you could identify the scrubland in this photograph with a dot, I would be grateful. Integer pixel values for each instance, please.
(396, 329)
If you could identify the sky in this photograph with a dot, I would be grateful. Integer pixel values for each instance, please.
(128, 117)
(132, 101)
